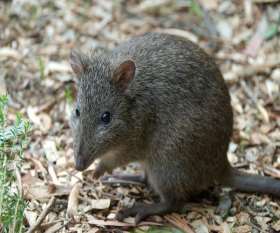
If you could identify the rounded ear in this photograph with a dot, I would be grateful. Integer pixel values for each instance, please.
(77, 62)
(123, 75)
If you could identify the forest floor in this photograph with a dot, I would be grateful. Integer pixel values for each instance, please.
(36, 38)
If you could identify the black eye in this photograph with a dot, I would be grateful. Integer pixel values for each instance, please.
(77, 111)
(106, 117)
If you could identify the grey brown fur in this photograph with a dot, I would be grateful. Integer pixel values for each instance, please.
(174, 116)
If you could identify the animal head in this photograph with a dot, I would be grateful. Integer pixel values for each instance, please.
(100, 120)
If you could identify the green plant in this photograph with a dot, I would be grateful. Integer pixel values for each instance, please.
(69, 95)
(13, 139)
(41, 65)
(195, 8)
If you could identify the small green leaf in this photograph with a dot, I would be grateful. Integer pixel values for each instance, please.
(12, 141)
(195, 8)
(271, 31)
(41, 65)
(69, 95)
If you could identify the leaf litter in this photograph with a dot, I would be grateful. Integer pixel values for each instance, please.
(35, 42)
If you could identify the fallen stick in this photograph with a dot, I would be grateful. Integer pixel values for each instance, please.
(42, 216)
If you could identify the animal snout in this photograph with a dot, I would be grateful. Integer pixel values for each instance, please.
(80, 156)
(80, 163)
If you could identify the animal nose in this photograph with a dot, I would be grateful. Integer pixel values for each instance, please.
(80, 161)
(80, 164)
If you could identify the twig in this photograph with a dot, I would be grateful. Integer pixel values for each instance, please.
(42, 216)
(121, 182)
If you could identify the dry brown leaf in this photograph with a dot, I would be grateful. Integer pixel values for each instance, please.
(38, 165)
(200, 226)
(243, 229)
(225, 228)
(99, 222)
(179, 222)
(34, 188)
(58, 67)
(111, 216)
(31, 217)
(50, 150)
(231, 77)
(224, 29)
(263, 112)
(40, 192)
(243, 218)
(9, 53)
(276, 74)
(152, 6)
(42, 120)
(54, 228)
(276, 226)
(178, 32)
(256, 41)
(263, 222)
(257, 138)
(209, 4)
(265, 1)
(73, 200)
(100, 204)
(248, 10)
(52, 174)
(94, 230)
(272, 171)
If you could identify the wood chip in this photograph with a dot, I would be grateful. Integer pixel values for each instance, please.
(9, 53)
(73, 201)
(100, 204)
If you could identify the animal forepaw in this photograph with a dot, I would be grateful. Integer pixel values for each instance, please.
(98, 172)
(142, 211)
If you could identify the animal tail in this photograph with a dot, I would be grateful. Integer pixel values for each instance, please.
(244, 182)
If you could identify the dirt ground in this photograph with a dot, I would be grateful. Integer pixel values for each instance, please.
(36, 38)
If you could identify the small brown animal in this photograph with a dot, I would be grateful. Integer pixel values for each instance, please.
(160, 100)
